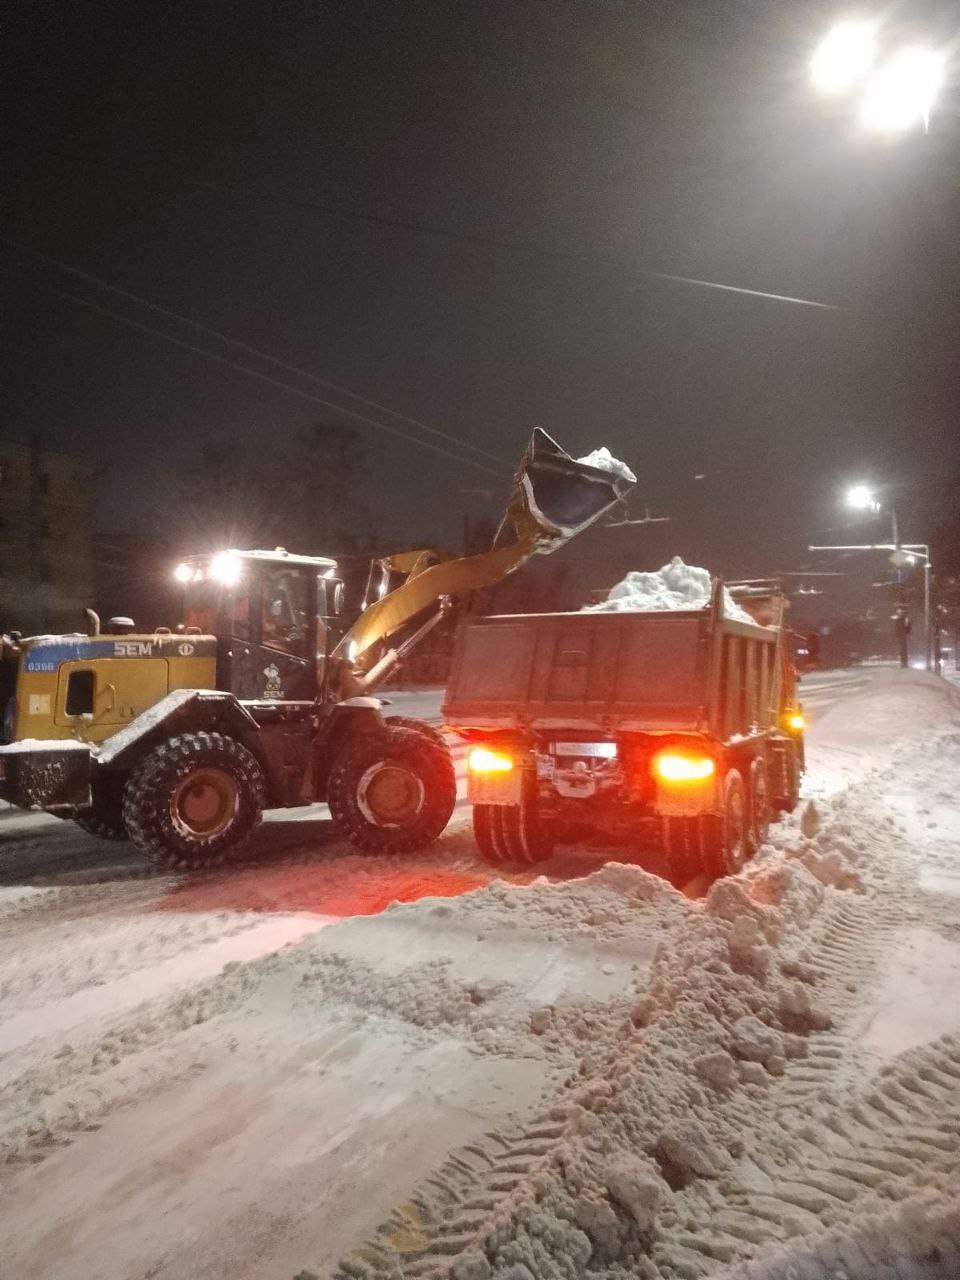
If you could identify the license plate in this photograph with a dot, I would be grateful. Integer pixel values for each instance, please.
(597, 750)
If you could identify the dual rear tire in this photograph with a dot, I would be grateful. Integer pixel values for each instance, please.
(513, 833)
(718, 845)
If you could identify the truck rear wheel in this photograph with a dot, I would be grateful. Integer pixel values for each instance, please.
(726, 837)
(392, 791)
(193, 800)
(759, 805)
(104, 818)
(682, 844)
(488, 832)
(515, 833)
(786, 773)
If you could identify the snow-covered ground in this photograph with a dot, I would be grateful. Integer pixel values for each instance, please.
(327, 1064)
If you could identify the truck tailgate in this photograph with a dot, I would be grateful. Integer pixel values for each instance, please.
(580, 670)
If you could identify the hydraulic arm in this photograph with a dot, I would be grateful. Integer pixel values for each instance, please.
(554, 497)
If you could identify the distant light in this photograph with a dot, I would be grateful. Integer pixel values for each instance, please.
(861, 498)
(183, 573)
(902, 92)
(844, 57)
(918, 666)
(225, 569)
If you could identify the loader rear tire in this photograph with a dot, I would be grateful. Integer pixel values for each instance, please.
(392, 791)
(192, 801)
(104, 818)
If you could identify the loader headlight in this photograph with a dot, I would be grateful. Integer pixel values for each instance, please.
(485, 760)
(183, 573)
(680, 766)
(225, 569)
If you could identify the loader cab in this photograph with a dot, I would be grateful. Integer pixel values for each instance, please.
(271, 613)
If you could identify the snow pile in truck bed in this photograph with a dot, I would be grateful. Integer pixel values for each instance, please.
(604, 460)
(675, 586)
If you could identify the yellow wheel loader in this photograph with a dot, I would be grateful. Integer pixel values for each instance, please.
(180, 738)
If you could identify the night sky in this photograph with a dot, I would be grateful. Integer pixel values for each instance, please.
(517, 170)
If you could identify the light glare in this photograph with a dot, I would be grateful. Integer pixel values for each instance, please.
(483, 760)
(861, 498)
(902, 92)
(183, 573)
(225, 569)
(844, 56)
(672, 767)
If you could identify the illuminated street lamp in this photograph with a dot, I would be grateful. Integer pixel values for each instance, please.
(902, 555)
(844, 57)
(902, 92)
(861, 498)
(895, 91)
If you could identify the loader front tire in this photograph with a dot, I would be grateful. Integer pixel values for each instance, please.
(418, 726)
(104, 818)
(193, 800)
(392, 791)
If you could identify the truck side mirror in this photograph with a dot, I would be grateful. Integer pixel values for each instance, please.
(330, 593)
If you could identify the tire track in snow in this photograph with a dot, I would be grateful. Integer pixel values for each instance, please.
(858, 1145)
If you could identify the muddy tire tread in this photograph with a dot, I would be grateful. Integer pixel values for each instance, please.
(144, 805)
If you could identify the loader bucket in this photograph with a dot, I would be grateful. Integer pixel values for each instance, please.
(556, 497)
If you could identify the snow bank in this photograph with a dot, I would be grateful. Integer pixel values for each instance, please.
(604, 460)
(675, 586)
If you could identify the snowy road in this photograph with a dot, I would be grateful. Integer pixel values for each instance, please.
(204, 1078)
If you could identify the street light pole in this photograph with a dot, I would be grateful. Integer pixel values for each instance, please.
(915, 550)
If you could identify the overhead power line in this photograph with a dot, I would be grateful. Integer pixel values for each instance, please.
(433, 230)
(244, 369)
(266, 356)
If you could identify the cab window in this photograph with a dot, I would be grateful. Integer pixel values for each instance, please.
(284, 617)
(79, 693)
